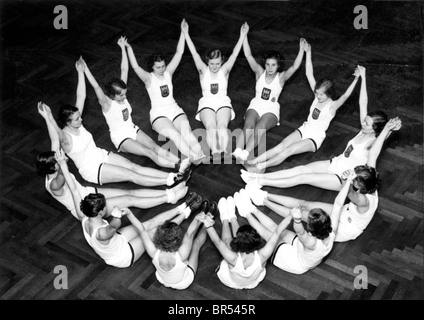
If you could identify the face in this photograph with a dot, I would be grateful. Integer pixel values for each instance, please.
(367, 125)
(215, 64)
(159, 68)
(271, 66)
(320, 95)
(121, 96)
(75, 120)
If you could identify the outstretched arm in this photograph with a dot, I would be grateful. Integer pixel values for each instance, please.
(173, 64)
(101, 97)
(267, 251)
(46, 113)
(81, 89)
(296, 64)
(185, 248)
(339, 102)
(76, 197)
(254, 65)
(307, 240)
(392, 125)
(232, 59)
(144, 234)
(340, 201)
(363, 96)
(200, 65)
(124, 60)
(309, 69)
(141, 73)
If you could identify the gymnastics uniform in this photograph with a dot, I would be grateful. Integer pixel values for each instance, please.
(295, 259)
(266, 98)
(318, 121)
(355, 154)
(117, 253)
(121, 125)
(352, 223)
(87, 157)
(66, 197)
(161, 93)
(214, 94)
(240, 277)
(179, 277)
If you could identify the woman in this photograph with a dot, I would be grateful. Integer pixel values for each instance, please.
(166, 117)
(302, 250)
(215, 109)
(118, 246)
(175, 255)
(125, 135)
(326, 174)
(311, 134)
(263, 112)
(97, 165)
(56, 185)
(245, 254)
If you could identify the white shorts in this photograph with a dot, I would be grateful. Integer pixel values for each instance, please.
(317, 136)
(118, 137)
(262, 108)
(171, 111)
(285, 258)
(214, 104)
(92, 171)
(183, 284)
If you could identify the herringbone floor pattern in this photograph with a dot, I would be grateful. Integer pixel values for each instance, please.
(37, 233)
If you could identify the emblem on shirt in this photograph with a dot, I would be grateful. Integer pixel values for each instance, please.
(348, 151)
(315, 114)
(164, 90)
(125, 114)
(214, 88)
(266, 93)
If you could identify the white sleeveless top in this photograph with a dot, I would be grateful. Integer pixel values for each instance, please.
(175, 275)
(310, 259)
(268, 93)
(118, 117)
(161, 92)
(214, 88)
(320, 119)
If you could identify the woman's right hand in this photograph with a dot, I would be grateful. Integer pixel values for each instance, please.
(122, 42)
(61, 157)
(361, 70)
(184, 26)
(244, 29)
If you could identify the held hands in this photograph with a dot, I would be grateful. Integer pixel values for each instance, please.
(184, 26)
(296, 213)
(123, 42)
(348, 175)
(61, 157)
(244, 29)
(80, 65)
(361, 71)
(394, 124)
(304, 45)
(125, 211)
(357, 72)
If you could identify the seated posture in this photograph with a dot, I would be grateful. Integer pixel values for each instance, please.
(311, 134)
(263, 112)
(244, 251)
(215, 109)
(55, 183)
(175, 254)
(166, 117)
(363, 149)
(125, 135)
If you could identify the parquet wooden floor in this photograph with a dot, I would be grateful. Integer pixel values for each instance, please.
(37, 234)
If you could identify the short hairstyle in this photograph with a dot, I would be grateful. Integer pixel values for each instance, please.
(319, 223)
(247, 240)
(114, 86)
(367, 179)
(379, 119)
(327, 85)
(168, 237)
(65, 112)
(273, 54)
(214, 54)
(92, 204)
(155, 57)
(45, 163)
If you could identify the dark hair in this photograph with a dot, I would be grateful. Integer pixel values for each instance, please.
(45, 163)
(168, 237)
(272, 54)
(92, 204)
(319, 223)
(247, 240)
(327, 85)
(214, 54)
(366, 178)
(65, 112)
(113, 86)
(155, 57)
(379, 119)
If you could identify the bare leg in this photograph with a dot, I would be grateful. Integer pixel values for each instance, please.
(265, 123)
(208, 118)
(320, 180)
(223, 117)
(183, 126)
